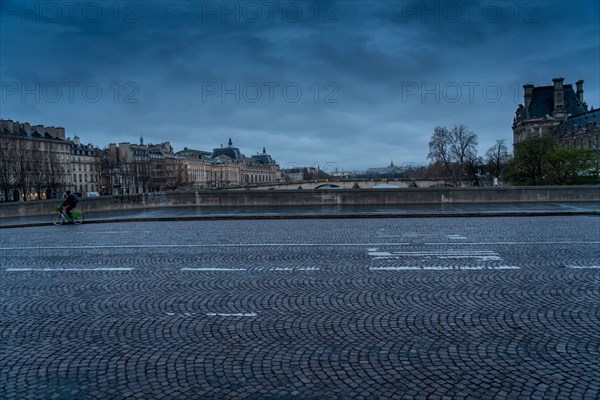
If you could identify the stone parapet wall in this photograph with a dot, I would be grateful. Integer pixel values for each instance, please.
(350, 197)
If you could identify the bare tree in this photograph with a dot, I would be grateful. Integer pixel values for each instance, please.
(455, 149)
(37, 168)
(183, 178)
(109, 169)
(55, 172)
(439, 149)
(7, 165)
(498, 159)
(22, 168)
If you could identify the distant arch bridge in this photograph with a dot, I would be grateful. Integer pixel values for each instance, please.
(352, 184)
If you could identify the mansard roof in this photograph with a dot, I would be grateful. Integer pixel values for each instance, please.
(229, 151)
(542, 103)
(263, 159)
(194, 154)
(577, 122)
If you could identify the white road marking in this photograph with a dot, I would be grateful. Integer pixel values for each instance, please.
(208, 269)
(67, 269)
(482, 255)
(147, 246)
(191, 314)
(482, 258)
(122, 232)
(456, 237)
(583, 266)
(433, 253)
(214, 269)
(502, 243)
(231, 315)
(444, 268)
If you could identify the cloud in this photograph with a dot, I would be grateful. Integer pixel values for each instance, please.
(359, 84)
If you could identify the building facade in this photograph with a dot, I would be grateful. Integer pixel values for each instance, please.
(38, 162)
(558, 111)
(85, 167)
(228, 167)
(35, 162)
(129, 168)
(196, 166)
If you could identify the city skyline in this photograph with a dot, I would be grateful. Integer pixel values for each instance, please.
(356, 85)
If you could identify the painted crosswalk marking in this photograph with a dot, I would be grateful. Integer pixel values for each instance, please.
(192, 314)
(482, 255)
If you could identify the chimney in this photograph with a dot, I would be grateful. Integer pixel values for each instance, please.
(559, 98)
(579, 84)
(528, 95)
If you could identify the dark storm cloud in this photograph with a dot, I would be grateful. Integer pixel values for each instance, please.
(375, 76)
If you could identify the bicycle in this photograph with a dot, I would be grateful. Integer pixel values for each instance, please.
(61, 217)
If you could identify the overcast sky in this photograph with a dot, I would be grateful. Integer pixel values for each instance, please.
(346, 84)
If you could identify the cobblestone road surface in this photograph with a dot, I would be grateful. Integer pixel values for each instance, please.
(492, 308)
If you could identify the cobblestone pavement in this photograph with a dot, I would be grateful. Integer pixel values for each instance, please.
(491, 308)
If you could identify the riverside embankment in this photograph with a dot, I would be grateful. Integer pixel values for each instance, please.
(351, 198)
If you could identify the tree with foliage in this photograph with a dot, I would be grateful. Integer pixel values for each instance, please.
(571, 166)
(541, 161)
(456, 150)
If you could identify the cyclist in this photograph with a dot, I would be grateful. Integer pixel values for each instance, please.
(71, 203)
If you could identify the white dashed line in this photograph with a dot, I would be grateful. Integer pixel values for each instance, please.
(231, 315)
(66, 269)
(443, 268)
(293, 269)
(222, 245)
(456, 237)
(121, 232)
(215, 269)
(502, 243)
(583, 266)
